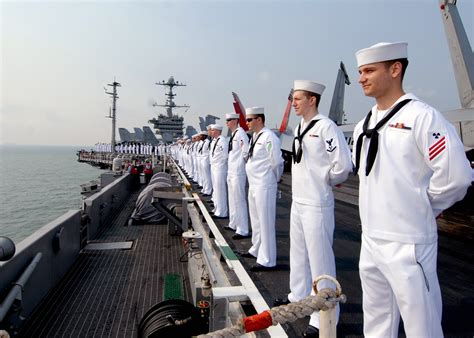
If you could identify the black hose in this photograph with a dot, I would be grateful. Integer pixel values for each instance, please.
(172, 318)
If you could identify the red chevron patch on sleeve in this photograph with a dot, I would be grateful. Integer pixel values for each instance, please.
(438, 146)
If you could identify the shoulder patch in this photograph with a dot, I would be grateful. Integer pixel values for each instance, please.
(269, 146)
(330, 147)
(437, 144)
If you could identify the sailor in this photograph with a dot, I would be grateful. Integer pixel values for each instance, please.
(203, 162)
(218, 158)
(188, 164)
(148, 171)
(411, 166)
(237, 178)
(195, 173)
(197, 154)
(321, 160)
(264, 168)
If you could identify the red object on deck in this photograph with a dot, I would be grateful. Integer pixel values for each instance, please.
(242, 121)
(258, 322)
(286, 114)
(239, 109)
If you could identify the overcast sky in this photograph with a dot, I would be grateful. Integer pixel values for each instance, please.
(56, 57)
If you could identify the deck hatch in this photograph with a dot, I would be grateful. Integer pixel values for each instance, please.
(110, 246)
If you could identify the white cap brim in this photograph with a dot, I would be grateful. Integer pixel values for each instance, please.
(383, 51)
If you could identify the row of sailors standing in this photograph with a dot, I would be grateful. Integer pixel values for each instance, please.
(132, 148)
(411, 166)
(222, 166)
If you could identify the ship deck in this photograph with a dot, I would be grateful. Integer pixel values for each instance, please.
(107, 292)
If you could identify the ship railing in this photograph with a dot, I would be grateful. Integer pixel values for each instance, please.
(225, 295)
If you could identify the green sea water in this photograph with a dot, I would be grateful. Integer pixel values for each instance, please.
(37, 185)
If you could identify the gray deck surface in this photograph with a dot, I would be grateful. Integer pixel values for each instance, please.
(107, 292)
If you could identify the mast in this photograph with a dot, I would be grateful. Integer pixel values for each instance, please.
(170, 105)
(112, 114)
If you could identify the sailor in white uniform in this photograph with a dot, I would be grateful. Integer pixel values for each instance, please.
(411, 166)
(199, 144)
(321, 160)
(194, 152)
(237, 178)
(202, 136)
(204, 155)
(219, 155)
(264, 169)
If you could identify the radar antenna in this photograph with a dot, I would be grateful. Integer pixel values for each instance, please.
(170, 105)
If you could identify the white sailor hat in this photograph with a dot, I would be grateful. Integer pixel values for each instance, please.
(195, 135)
(382, 51)
(254, 111)
(231, 116)
(309, 86)
(217, 126)
(203, 133)
(185, 137)
(209, 126)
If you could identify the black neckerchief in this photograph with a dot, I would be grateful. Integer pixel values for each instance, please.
(202, 146)
(215, 144)
(373, 135)
(231, 139)
(252, 145)
(298, 155)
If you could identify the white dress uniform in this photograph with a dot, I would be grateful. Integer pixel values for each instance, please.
(236, 180)
(219, 155)
(419, 170)
(197, 155)
(204, 153)
(325, 162)
(264, 169)
(195, 163)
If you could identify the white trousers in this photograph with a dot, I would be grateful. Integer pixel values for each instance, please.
(206, 177)
(311, 253)
(399, 278)
(238, 213)
(195, 169)
(219, 194)
(262, 208)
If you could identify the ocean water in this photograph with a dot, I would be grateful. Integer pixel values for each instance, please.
(37, 185)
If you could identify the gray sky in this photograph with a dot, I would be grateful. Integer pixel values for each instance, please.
(56, 57)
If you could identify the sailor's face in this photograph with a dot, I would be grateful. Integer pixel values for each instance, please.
(232, 123)
(251, 122)
(375, 79)
(302, 103)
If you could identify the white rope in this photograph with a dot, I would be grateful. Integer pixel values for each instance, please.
(4, 334)
(324, 300)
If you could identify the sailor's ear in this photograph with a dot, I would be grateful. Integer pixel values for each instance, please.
(396, 69)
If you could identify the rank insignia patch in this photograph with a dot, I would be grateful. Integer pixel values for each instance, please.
(437, 144)
(330, 147)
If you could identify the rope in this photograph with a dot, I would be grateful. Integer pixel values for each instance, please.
(325, 299)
